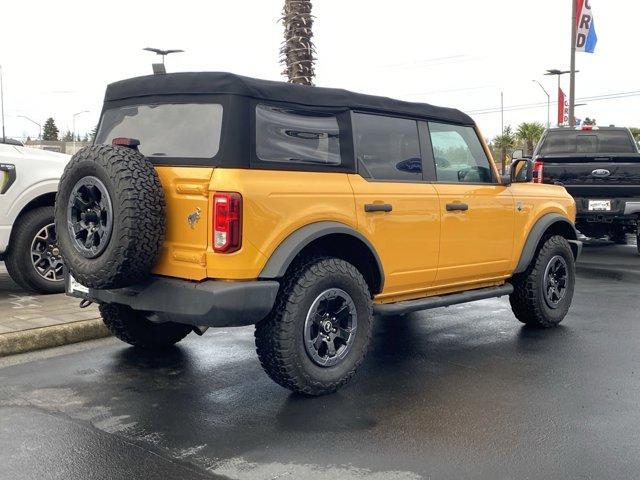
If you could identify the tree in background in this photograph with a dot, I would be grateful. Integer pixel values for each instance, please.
(504, 143)
(50, 131)
(529, 134)
(297, 51)
(636, 133)
(68, 137)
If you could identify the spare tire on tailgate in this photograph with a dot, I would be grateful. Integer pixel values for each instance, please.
(110, 216)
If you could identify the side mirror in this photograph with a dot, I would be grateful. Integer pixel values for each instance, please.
(521, 171)
(517, 154)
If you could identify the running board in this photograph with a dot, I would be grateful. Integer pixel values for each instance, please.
(402, 308)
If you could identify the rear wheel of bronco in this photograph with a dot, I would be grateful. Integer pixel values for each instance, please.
(542, 294)
(319, 330)
(133, 328)
(110, 216)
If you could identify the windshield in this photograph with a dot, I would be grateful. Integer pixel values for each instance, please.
(587, 141)
(175, 130)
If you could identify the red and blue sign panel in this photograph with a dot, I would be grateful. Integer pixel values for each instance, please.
(586, 37)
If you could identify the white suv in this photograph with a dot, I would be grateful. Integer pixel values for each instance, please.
(28, 184)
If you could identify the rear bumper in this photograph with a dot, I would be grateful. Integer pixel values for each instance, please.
(212, 303)
(622, 209)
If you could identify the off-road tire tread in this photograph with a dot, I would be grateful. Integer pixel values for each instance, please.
(131, 327)
(525, 300)
(23, 272)
(275, 336)
(139, 200)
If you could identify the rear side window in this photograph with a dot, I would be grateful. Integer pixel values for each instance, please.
(288, 136)
(174, 130)
(387, 148)
(593, 141)
(458, 154)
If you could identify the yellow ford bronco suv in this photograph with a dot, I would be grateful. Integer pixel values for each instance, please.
(215, 200)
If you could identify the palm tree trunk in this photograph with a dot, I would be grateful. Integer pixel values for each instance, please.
(297, 51)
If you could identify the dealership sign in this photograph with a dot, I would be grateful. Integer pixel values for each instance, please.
(586, 37)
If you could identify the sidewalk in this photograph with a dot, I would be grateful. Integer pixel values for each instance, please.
(30, 321)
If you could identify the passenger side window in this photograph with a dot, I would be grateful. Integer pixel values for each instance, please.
(387, 148)
(288, 136)
(458, 155)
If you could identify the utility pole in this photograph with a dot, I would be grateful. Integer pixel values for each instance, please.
(4, 137)
(572, 82)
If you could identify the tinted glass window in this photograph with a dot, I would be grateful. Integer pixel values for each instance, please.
(183, 130)
(594, 141)
(387, 148)
(283, 135)
(459, 155)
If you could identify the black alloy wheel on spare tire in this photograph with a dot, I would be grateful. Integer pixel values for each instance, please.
(110, 216)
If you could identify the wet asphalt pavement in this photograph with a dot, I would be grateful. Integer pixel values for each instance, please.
(461, 392)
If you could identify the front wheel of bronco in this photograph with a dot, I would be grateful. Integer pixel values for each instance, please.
(543, 292)
(133, 328)
(319, 330)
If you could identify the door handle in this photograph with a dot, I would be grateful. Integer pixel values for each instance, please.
(378, 207)
(457, 207)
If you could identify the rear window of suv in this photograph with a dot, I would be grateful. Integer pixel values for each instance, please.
(173, 130)
(591, 141)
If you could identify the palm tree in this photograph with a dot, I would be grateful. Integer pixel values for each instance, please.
(530, 133)
(297, 51)
(505, 143)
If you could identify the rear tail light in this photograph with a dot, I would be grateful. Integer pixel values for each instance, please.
(227, 222)
(538, 167)
(126, 142)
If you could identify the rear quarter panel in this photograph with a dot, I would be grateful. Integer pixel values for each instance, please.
(275, 204)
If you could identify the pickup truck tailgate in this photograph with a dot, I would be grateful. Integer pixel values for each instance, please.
(601, 176)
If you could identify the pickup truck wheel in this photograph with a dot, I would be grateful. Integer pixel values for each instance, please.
(133, 328)
(320, 328)
(542, 294)
(110, 216)
(33, 260)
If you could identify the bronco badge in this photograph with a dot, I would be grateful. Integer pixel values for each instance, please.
(194, 217)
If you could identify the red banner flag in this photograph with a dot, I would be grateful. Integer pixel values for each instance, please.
(563, 108)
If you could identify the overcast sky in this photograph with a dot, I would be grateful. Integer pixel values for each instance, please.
(57, 57)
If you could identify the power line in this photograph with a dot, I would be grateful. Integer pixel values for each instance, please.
(595, 98)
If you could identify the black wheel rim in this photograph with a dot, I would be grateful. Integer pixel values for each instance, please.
(330, 327)
(45, 254)
(556, 279)
(89, 217)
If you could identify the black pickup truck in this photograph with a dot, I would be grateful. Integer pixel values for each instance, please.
(600, 168)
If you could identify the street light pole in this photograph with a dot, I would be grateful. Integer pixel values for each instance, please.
(35, 123)
(74, 127)
(4, 137)
(74, 121)
(557, 72)
(548, 103)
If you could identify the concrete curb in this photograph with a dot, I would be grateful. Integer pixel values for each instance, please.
(53, 336)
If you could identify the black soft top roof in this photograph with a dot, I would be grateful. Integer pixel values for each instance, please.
(215, 83)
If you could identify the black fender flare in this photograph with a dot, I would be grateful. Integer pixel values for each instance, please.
(290, 247)
(536, 233)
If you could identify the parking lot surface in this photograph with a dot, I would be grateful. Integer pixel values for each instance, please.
(22, 310)
(460, 392)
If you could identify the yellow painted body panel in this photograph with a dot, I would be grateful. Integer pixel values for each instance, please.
(276, 204)
(407, 238)
(424, 249)
(186, 189)
(477, 244)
